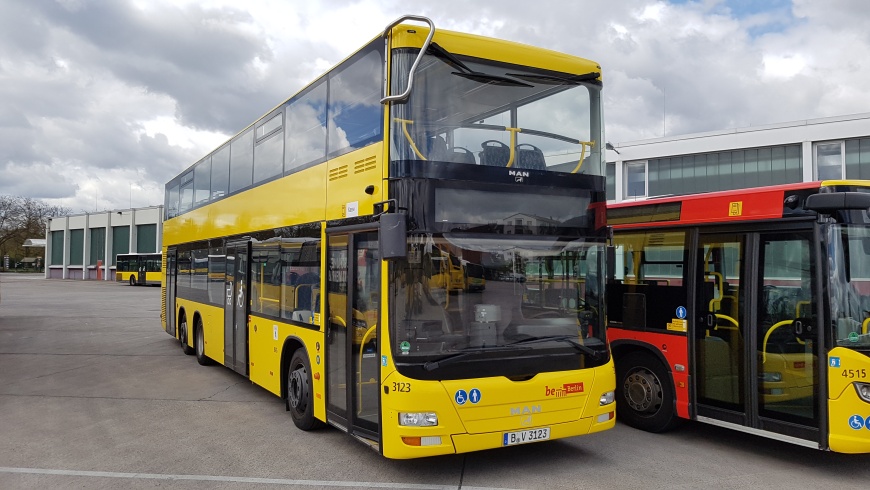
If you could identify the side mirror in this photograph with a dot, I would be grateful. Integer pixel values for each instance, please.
(830, 202)
(393, 236)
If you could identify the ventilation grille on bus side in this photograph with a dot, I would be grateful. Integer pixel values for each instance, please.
(365, 165)
(338, 173)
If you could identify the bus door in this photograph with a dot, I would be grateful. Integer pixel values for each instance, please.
(353, 282)
(236, 307)
(756, 338)
(169, 291)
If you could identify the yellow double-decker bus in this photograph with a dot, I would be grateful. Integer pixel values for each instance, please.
(139, 269)
(324, 224)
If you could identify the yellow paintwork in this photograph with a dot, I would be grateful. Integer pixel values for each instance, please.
(348, 177)
(843, 402)
(212, 326)
(493, 49)
(505, 406)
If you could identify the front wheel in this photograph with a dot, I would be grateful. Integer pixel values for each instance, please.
(132, 280)
(644, 393)
(300, 396)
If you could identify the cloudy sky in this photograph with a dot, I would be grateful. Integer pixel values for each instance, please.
(103, 101)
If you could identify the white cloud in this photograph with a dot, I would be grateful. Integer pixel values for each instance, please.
(98, 99)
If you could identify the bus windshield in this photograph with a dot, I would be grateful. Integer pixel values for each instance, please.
(849, 255)
(487, 300)
(480, 112)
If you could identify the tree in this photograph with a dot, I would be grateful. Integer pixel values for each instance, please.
(22, 218)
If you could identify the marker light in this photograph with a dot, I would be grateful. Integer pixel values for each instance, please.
(422, 441)
(418, 419)
(863, 391)
(604, 417)
(606, 399)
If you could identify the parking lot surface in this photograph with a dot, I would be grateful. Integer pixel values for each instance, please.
(94, 394)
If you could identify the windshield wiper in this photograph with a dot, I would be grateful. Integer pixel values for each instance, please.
(556, 79)
(568, 339)
(451, 358)
(493, 79)
(466, 72)
(441, 53)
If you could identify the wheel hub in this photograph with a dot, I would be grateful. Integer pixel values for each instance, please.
(297, 388)
(643, 391)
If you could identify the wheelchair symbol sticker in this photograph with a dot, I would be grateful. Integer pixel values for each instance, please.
(461, 397)
(856, 422)
(834, 362)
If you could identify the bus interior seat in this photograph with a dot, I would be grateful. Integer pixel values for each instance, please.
(530, 157)
(459, 154)
(437, 150)
(495, 153)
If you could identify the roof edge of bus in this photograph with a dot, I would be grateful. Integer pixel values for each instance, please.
(737, 192)
(460, 43)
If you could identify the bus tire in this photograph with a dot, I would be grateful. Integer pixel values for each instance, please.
(199, 344)
(645, 396)
(182, 336)
(300, 396)
(132, 279)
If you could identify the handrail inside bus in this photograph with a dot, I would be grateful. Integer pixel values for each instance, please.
(404, 95)
(767, 336)
(369, 333)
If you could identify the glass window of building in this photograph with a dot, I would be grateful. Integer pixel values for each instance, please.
(858, 158)
(829, 160)
(635, 179)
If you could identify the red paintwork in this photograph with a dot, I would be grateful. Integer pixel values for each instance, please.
(674, 348)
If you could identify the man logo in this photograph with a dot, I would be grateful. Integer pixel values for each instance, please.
(518, 175)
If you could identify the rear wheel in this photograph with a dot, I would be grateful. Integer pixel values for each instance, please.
(199, 344)
(644, 393)
(300, 397)
(132, 280)
(182, 336)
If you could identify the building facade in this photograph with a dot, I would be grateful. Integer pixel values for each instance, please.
(84, 246)
(800, 151)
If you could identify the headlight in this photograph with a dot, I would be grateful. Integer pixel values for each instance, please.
(418, 419)
(863, 391)
(771, 377)
(606, 399)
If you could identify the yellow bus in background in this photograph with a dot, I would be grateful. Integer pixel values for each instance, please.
(324, 224)
(139, 269)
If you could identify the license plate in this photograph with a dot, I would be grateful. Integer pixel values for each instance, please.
(526, 436)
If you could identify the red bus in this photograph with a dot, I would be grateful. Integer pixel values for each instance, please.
(746, 309)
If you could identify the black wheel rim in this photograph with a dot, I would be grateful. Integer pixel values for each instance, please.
(297, 389)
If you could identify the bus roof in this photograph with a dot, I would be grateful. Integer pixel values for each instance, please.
(406, 35)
